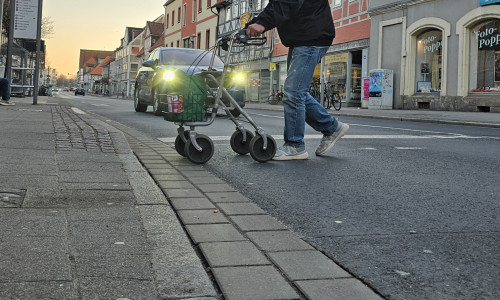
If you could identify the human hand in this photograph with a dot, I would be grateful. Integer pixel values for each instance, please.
(255, 30)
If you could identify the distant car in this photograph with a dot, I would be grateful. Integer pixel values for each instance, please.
(66, 89)
(153, 77)
(79, 91)
(72, 89)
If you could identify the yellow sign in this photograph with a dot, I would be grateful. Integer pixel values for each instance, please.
(272, 66)
(338, 57)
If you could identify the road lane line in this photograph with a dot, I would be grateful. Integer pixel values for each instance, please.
(319, 136)
(78, 111)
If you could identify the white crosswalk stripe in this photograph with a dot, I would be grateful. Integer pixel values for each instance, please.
(353, 136)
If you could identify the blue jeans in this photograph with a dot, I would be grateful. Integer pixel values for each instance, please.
(5, 89)
(300, 106)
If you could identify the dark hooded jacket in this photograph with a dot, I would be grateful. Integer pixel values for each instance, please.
(299, 22)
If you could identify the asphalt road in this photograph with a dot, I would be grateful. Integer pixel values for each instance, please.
(410, 208)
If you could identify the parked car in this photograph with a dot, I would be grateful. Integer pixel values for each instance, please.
(154, 78)
(79, 91)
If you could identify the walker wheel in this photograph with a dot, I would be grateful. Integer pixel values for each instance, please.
(258, 153)
(237, 143)
(180, 144)
(199, 157)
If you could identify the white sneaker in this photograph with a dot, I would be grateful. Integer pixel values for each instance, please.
(6, 103)
(290, 153)
(328, 141)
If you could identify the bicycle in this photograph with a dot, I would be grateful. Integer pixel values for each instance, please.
(332, 98)
(275, 97)
(314, 91)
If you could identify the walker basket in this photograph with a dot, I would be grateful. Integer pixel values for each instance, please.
(188, 100)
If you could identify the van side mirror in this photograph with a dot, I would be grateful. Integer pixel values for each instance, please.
(150, 63)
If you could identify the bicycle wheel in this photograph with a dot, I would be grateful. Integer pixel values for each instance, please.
(272, 99)
(336, 101)
(327, 101)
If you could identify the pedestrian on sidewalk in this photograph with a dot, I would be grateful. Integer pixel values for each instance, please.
(5, 92)
(306, 27)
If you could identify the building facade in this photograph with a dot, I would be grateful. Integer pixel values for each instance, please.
(445, 54)
(344, 65)
(88, 61)
(189, 24)
(127, 62)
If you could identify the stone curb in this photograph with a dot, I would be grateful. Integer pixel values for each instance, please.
(250, 254)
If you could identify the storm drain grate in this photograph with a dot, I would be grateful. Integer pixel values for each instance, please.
(11, 198)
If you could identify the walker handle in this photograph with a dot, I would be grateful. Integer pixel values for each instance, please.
(243, 38)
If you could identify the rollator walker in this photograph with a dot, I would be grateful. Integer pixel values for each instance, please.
(199, 102)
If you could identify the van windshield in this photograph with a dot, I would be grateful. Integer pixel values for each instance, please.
(189, 57)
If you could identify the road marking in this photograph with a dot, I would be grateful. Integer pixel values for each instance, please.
(410, 148)
(268, 116)
(78, 111)
(319, 136)
(439, 133)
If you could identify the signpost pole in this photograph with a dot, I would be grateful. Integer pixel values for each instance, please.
(38, 45)
(10, 42)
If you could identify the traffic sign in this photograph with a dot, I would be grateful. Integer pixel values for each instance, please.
(26, 19)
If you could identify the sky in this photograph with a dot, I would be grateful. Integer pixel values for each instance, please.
(92, 25)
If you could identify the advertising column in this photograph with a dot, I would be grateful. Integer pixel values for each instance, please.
(381, 89)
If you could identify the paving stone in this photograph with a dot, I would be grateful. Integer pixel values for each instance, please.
(183, 193)
(257, 223)
(168, 177)
(233, 254)
(192, 174)
(161, 165)
(241, 209)
(155, 160)
(116, 288)
(33, 222)
(37, 290)
(164, 172)
(114, 266)
(175, 184)
(254, 282)
(303, 265)
(278, 241)
(191, 168)
(206, 180)
(64, 198)
(215, 187)
(227, 197)
(32, 258)
(336, 289)
(191, 203)
(93, 186)
(206, 216)
(214, 233)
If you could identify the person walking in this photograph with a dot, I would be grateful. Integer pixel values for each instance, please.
(306, 27)
(5, 92)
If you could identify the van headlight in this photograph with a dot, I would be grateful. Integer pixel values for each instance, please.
(238, 77)
(168, 75)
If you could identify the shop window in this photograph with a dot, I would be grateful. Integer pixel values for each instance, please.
(429, 61)
(484, 61)
(336, 71)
